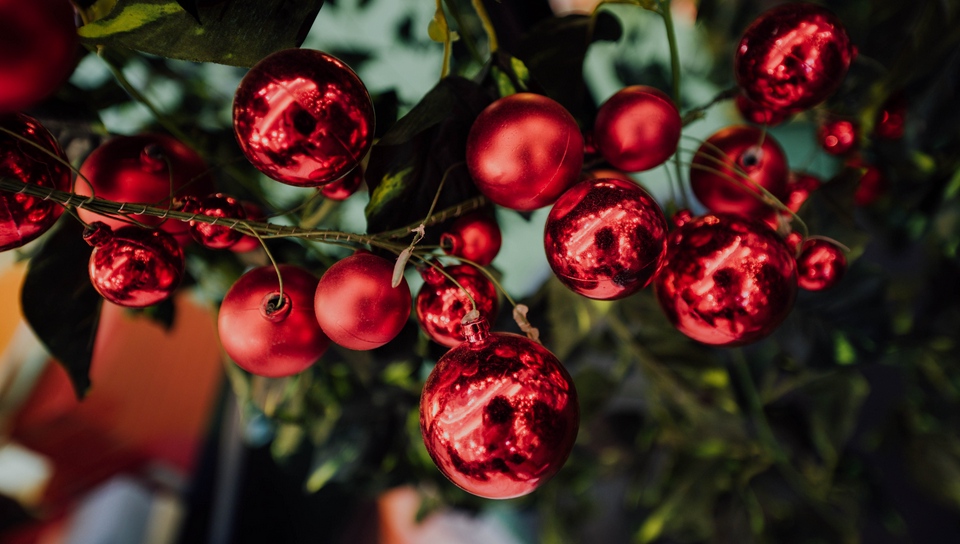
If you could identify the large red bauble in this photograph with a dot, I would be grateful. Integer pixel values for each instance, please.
(344, 187)
(144, 169)
(716, 172)
(441, 304)
(270, 335)
(837, 136)
(793, 56)
(38, 50)
(821, 265)
(758, 114)
(726, 280)
(498, 414)
(605, 238)
(474, 236)
(216, 205)
(524, 150)
(637, 128)
(133, 266)
(356, 305)
(303, 117)
(23, 218)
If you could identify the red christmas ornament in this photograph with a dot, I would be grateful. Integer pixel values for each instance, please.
(681, 217)
(133, 266)
(718, 168)
(356, 305)
(216, 205)
(606, 173)
(726, 280)
(637, 128)
(23, 218)
(799, 187)
(837, 136)
(268, 334)
(39, 50)
(760, 115)
(498, 414)
(890, 118)
(144, 169)
(794, 242)
(524, 150)
(303, 117)
(474, 236)
(441, 304)
(792, 57)
(872, 184)
(344, 187)
(821, 265)
(248, 243)
(605, 238)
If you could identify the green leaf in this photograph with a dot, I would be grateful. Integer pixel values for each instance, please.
(238, 32)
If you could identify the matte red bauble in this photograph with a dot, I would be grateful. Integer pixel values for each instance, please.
(799, 188)
(524, 150)
(441, 304)
(356, 306)
(637, 128)
(871, 186)
(133, 266)
(23, 218)
(474, 236)
(344, 187)
(268, 334)
(303, 117)
(605, 238)
(837, 136)
(890, 118)
(498, 414)
(793, 57)
(39, 50)
(821, 265)
(216, 205)
(717, 171)
(248, 243)
(759, 115)
(726, 280)
(144, 169)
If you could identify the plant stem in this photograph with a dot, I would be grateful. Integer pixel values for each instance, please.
(439, 217)
(487, 24)
(674, 52)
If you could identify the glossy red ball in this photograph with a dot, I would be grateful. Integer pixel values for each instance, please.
(356, 305)
(38, 50)
(499, 414)
(303, 117)
(799, 188)
(726, 280)
(605, 238)
(133, 266)
(441, 305)
(758, 114)
(891, 117)
(821, 265)
(344, 187)
(216, 236)
(837, 136)
(637, 128)
(872, 183)
(270, 335)
(524, 150)
(23, 218)
(474, 236)
(793, 56)
(727, 168)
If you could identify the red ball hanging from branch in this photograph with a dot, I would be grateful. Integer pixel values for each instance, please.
(474, 236)
(216, 205)
(637, 128)
(441, 305)
(837, 136)
(821, 265)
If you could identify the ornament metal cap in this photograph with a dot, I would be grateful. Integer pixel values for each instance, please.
(475, 328)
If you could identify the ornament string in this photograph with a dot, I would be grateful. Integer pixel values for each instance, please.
(487, 24)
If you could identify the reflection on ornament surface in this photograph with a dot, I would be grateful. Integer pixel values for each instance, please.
(441, 304)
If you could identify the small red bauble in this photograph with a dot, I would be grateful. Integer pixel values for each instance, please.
(637, 128)
(248, 243)
(524, 150)
(216, 205)
(726, 280)
(759, 115)
(498, 414)
(474, 236)
(793, 57)
(821, 265)
(799, 187)
(268, 334)
(39, 50)
(133, 266)
(890, 118)
(605, 238)
(872, 184)
(837, 136)
(716, 171)
(303, 117)
(23, 218)
(794, 242)
(144, 169)
(441, 304)
(356, 305)
(344, 187)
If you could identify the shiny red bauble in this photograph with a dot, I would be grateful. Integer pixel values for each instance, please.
(872, 183)
(23, 218)
(267, 333)
(356, 305)
(891, 117)
(726, 280)
(637, 128)
(216, 205)
(524, 150)
(793, 56)
(758, 114)
(344, 187)
(441, 304)
(133, 266)
(799, 188)
(38, 50)
(499, 414)
(303, 117)
(144, 169)
(727, 168)
(821, 265)
(605, 238)
(474, 236)
(837, 136)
